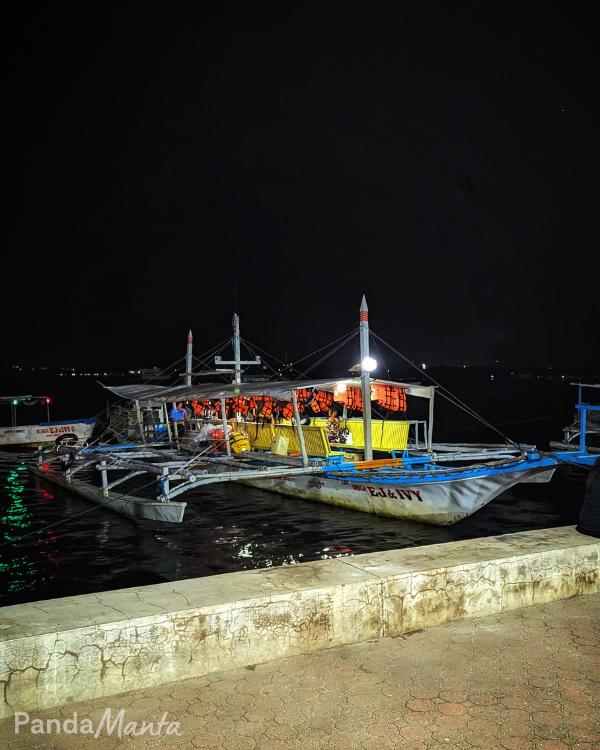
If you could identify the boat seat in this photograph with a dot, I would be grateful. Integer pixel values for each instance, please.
(261, 436)
(386, 434)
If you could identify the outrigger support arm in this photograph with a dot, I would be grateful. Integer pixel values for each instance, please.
(236, 476)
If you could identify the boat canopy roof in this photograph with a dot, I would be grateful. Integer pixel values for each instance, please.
(281, 389)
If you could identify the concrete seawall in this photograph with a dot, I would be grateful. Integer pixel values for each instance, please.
(59, 651)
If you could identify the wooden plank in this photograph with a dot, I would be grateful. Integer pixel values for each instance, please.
(378, 463)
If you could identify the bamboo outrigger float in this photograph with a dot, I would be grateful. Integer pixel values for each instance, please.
(410, 481)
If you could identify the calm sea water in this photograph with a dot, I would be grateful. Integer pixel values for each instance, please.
(229, 528)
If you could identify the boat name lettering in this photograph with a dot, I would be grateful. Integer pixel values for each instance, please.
(316, 483)
(54, 430)
(395, 494)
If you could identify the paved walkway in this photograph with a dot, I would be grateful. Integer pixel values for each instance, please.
(525, 680)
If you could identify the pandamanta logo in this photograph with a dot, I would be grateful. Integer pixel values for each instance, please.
(107, 725)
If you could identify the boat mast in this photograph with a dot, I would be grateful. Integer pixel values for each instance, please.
(188, 358)
(237, 377)
(364, 377)
(237, 361)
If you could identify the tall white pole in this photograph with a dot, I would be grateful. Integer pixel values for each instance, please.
(365, 380)
(430, 423)
(299, 428)
(188, 358)
(167, 422)
(138, 414)
(224, 418)
(237, 378)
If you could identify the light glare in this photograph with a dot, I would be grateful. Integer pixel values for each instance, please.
(369, 364)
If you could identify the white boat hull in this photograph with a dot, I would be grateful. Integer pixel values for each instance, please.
(45, 432)
(126, 505)
(440, 503)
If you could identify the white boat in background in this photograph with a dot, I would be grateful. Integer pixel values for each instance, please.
(61, 432)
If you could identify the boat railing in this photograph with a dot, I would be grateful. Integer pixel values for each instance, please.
(263, 435)
(387, 435)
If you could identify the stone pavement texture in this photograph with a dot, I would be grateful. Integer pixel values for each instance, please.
(524, 680)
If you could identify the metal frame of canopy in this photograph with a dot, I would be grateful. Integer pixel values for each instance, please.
(284, 390)
(276, 389)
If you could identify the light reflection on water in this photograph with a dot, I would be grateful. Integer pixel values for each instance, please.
(225, 528)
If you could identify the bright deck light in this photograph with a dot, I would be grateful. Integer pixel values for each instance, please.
(340, 388)
(369, 364)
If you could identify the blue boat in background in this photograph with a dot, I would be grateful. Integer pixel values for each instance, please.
(585, 429)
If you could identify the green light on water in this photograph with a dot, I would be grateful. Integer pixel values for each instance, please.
(19, 564)
(17, 515)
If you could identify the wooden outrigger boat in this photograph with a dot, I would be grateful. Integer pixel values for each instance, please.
(407, 481)
(54, 432)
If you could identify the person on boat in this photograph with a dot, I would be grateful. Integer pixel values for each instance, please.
(178, 418)
(333, 426)
(589, 516)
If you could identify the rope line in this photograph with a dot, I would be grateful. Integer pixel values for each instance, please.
(448, 395)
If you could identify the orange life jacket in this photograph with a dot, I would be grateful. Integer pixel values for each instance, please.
(391, 397)
(302, 395)
(266, 411)
(240, 405)
(321, 402)
(339, 394)
(288, 411)
(351, 398)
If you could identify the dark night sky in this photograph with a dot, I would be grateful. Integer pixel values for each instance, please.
(438, 159)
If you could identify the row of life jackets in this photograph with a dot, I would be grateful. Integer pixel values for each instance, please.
(390, 397)
(264, 407)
